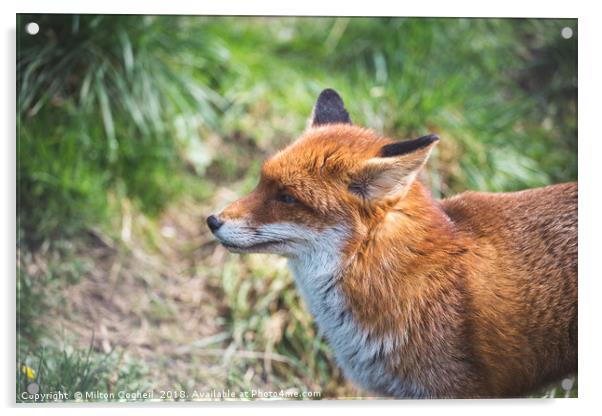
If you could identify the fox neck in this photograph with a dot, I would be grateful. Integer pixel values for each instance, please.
(356, 287)
(317, 268)
(404, 254)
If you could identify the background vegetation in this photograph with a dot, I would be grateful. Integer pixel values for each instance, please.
(131, 129)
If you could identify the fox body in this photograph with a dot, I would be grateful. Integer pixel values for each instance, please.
(473, 296)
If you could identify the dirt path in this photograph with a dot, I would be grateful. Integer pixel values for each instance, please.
(157, 304)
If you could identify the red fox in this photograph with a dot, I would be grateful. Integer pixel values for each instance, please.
(473, 296)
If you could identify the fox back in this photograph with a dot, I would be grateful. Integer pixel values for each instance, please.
(473, 296)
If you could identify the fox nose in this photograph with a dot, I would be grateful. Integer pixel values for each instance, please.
(214, 223)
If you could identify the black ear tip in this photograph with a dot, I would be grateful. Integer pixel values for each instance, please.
(408, 146)
(432, 138)
(329, 94)
(330, 109)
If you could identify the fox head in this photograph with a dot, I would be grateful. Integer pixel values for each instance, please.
(332, 185)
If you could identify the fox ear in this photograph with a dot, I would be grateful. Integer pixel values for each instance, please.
(329, 109)
(393, 171)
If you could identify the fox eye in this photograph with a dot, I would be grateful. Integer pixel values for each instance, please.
(285, 198)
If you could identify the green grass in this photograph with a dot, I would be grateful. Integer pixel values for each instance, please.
(107, 104)
(71, 371)
(47, 363)
(124, 118)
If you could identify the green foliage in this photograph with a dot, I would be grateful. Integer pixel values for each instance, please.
(71, 371)
(28, 300)
(107, 104)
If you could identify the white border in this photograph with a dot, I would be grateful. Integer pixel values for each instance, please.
(589, 182)
(507, 8)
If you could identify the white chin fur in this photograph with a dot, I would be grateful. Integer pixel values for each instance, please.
(239, 237)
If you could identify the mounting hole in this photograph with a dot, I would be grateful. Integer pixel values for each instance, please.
(566, 32)
(32, 28)
(567, 384)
